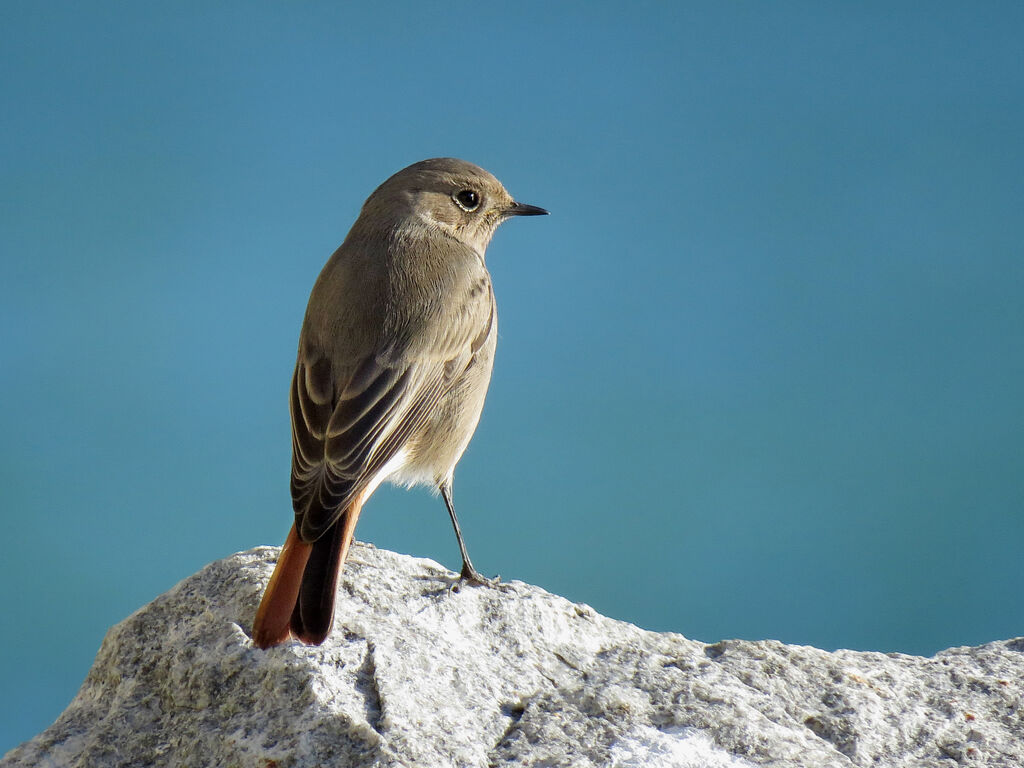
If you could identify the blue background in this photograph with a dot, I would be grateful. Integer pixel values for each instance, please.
(760, 374)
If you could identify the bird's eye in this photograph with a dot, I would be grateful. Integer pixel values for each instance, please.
(467, 199)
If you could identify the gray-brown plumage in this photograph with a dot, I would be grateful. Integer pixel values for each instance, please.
(394, 360)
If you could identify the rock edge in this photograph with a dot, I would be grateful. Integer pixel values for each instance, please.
(418, 674)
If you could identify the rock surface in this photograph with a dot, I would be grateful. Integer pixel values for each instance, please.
(416, 674)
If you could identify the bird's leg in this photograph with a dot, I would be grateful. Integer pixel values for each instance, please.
(469, 573)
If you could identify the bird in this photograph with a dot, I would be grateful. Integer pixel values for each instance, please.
(394, 361)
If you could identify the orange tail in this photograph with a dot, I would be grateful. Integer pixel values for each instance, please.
(300, 595)
(272, 617)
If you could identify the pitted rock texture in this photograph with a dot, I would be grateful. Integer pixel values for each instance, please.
(418, 674)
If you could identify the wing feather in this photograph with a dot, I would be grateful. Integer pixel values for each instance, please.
(350, 417)
(364, 432)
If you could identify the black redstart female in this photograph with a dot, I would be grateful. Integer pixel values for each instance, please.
(394, 360)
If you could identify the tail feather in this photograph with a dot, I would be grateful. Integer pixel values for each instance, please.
(313, 614)
(270, 626)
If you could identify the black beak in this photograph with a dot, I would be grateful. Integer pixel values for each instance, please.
(522, 209)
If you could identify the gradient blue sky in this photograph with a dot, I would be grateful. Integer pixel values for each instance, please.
(760, 374)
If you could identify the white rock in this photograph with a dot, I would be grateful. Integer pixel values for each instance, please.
(416, 674)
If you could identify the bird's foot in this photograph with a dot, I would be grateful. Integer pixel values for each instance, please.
(474, 578)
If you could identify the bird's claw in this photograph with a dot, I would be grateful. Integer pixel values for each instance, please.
(474, 578)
